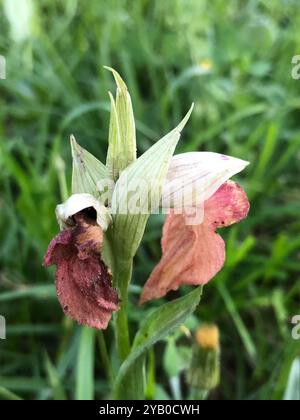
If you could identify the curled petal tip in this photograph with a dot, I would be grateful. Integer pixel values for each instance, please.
(77, 203)
(118, 79)
(75, 148)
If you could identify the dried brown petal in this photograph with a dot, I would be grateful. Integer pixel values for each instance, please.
(83, 282)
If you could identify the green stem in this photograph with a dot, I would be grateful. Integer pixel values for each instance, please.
(105, 357)
(134, 384)
(122, 277)
(199, 394)
(150, 390)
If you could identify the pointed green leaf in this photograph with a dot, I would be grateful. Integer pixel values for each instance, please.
(157, 325)
(145, 177)
(114, 142)
(87, 171)
(122, 137)
(54, 380)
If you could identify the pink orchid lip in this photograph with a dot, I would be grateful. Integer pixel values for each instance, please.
(83, 282)
(194, 254)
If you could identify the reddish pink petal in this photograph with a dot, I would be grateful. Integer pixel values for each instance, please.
(227, 206)
(195, 254)
(83, 282)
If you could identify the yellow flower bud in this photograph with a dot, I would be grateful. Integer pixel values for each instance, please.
(204, 371)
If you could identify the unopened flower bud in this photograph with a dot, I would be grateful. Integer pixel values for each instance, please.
(204, 370)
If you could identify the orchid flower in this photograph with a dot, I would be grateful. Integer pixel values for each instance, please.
(103, 222)
(83, 282)
(194, 254)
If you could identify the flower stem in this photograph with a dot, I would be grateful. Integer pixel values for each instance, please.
(122, 277)
(105, 357)
(133, 383)
(198, 394)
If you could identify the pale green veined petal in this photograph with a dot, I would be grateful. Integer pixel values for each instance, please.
(88, 171)
(194, 177)
(147, 174)
(122, 136)
(113, 163)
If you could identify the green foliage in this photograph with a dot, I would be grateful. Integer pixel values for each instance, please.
(87, 171)
(122, 136)
(233, 59)
(156, 326)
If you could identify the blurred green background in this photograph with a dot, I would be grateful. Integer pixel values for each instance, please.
(233, 59)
